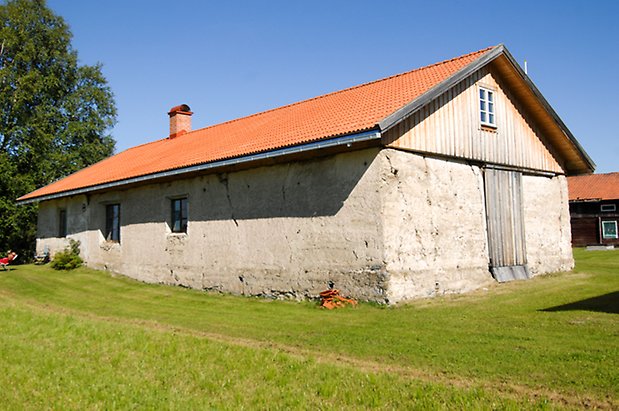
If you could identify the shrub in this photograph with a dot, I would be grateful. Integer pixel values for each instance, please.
(69, 258)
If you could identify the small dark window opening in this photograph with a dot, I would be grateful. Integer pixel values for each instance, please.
(179, 215)
(62, 223)
(112, 222)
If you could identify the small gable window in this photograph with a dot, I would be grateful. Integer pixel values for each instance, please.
(486, 107)
(179, 215)
(606, 208)
(112, 222)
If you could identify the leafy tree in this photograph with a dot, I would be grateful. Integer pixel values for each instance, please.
(55, 114)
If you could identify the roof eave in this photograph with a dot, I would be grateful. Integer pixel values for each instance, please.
(585, 200)
(581, 151)
(475, 65)
(346, 140)
(440, 88)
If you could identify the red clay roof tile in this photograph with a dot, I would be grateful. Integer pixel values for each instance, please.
(594, 187)
(348, 111)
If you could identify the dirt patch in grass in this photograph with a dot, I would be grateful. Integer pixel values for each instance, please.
(552, 340)
(501, 388)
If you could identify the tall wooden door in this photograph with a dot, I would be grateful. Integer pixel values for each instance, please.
(504, 214)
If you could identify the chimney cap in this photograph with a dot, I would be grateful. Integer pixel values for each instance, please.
(183, 108)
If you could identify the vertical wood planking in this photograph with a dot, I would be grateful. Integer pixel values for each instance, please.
(506, 237)
(449, 125)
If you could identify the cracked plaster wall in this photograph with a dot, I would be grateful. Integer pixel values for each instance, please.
(285, 230)
(383, 225)
(434, 226)
(547, 224)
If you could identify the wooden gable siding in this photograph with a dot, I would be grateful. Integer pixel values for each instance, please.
(585, 231)
(450, 126)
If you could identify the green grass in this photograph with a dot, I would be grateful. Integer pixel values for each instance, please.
(84, 339)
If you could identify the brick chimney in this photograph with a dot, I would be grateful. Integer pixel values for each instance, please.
(180, 120)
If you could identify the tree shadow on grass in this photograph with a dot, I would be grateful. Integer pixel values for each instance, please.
(606, 303)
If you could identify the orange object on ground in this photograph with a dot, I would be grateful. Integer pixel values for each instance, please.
(331, 299)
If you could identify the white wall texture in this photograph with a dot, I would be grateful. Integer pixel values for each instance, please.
(547, 224)
(434, 226)
(383, 225)
(284, 230)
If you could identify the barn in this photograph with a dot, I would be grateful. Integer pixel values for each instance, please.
(438, 180)
(594, 209)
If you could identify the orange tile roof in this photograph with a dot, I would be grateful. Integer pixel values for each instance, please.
(594, 187)
(343, 112)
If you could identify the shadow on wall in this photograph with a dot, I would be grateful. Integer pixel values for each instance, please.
(606, 303)
(304, 189)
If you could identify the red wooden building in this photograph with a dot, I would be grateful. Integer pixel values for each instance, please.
(594, 209)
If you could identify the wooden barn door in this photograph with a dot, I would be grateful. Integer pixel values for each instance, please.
(504, 213)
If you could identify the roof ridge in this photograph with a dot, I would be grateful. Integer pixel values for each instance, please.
(145, 144)
(159, 140)
(338, 91)
(596, 174)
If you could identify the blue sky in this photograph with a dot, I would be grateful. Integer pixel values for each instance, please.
(229, 59)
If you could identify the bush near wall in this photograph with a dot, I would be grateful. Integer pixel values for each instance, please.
(69, 258)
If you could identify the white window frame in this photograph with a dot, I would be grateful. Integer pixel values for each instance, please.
(614, 223)
(608, 208)
(487, 107)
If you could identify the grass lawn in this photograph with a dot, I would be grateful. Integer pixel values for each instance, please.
(85, 339)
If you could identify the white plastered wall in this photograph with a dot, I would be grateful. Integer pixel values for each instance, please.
(434, 226)
(285, 230)
(384, 225)
(547, 224)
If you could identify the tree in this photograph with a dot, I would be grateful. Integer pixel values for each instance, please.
(55, 114)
